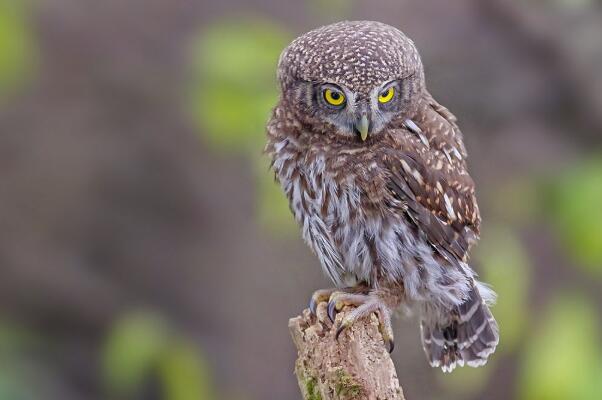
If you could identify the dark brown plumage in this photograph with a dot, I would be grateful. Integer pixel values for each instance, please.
(375, 172)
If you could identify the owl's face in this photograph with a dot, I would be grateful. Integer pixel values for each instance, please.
(351, 79)
(350, 112)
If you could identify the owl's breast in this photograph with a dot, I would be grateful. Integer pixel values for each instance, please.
(317, 190)
(341, 208)
(347, 216)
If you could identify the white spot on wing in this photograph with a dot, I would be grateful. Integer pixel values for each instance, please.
(448, 207)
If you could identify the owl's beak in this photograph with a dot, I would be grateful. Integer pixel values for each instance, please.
(362, 126)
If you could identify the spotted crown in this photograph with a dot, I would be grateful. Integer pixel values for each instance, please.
(357, 54)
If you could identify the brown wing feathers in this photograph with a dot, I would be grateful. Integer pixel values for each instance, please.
(439, 197)
(442, 236)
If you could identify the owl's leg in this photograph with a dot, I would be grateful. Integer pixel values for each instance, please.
(381, 303)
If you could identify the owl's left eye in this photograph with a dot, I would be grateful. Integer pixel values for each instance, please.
(386, 95)
(334, 97)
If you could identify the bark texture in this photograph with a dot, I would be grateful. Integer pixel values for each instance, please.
(357, 366)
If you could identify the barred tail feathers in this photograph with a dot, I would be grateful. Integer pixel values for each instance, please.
(469, 338)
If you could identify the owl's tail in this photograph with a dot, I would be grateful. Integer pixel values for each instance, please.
(468, 339)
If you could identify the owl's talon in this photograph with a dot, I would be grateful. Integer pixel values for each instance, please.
(385, 327)
(391, 344)
(342, 298)
(345, 323)
(340, 329)
(313, 306)
(332, 310)
(319, 296)
(365, 304)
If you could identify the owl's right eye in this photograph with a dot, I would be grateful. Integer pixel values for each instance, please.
(334, 97)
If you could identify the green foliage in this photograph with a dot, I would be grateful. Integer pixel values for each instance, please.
(141, 346)
(563, 358)
(13, 386)
(515, 202)
(134, 346)
(573, 201)
(233, 93)
(15, 381)
(17, 50)
(184, 375)
(272, 207)
(235, 82)
(14, 338)
(505, 265)
(569, 200)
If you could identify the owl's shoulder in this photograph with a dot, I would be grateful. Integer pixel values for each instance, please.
(430, 175)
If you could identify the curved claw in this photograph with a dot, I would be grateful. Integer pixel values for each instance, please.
(313, 306)
(340, 329)
(391, 344)
(318, 297)
(332, 311)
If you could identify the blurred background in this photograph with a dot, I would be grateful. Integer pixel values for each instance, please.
(145, 252)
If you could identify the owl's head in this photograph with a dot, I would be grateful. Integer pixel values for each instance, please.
(353, 76)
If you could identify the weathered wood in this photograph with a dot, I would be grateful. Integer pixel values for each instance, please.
(357, 366)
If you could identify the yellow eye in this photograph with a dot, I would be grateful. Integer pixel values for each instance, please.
(334, 97)
(387, 95)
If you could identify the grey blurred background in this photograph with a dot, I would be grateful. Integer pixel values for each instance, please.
(145, 252)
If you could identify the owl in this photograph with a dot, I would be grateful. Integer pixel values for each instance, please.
(375, 172)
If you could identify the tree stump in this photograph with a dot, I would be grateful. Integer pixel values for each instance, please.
(356, 366)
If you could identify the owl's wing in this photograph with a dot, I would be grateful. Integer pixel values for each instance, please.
(440, 202)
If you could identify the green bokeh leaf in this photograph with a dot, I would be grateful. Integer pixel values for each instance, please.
(235, 82)
(13, 338)
(273, 210)
(184, 375)
(563, 356)
(233, 93)
(515, 202)
(573, 202)
(140, 346)
(13, 386)
(132, 350)
(17, 49)
(17, 343)
(506, 267)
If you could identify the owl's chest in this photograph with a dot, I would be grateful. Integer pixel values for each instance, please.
(315, 192)
(344, 213)
(349, 199)
(356, 215)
